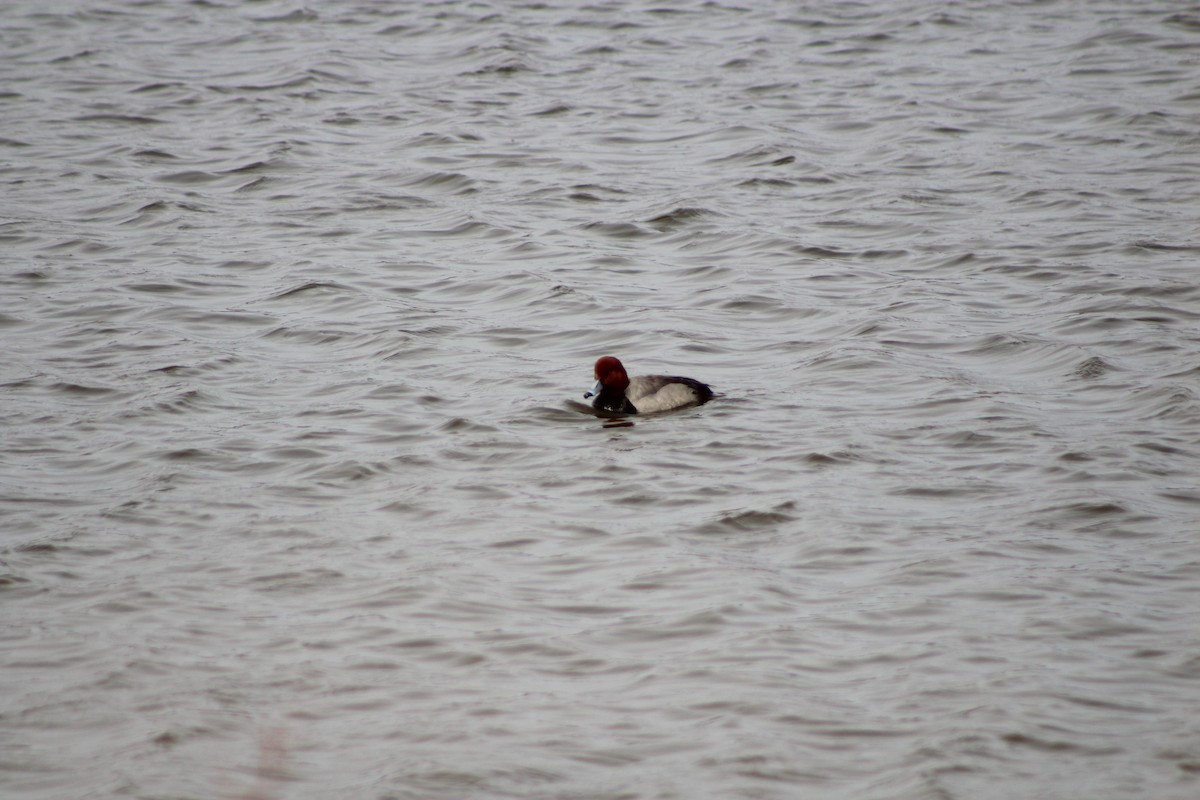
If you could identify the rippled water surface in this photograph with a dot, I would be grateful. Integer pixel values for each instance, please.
(299, 302)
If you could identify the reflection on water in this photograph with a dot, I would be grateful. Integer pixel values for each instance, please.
(300, 499)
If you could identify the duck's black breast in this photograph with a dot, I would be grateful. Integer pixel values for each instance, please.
(614, 401)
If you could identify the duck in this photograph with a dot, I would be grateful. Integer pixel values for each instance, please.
(616, 392)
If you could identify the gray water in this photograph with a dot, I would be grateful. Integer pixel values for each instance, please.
(299, 303)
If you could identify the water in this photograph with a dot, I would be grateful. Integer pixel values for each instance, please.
(299, 302)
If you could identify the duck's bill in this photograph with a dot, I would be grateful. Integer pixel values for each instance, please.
(595, 390)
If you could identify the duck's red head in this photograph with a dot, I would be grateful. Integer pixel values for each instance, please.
(610, 373)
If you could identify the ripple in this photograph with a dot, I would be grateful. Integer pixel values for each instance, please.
(300, 311)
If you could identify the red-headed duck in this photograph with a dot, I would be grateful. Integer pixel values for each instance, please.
(616, 392)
